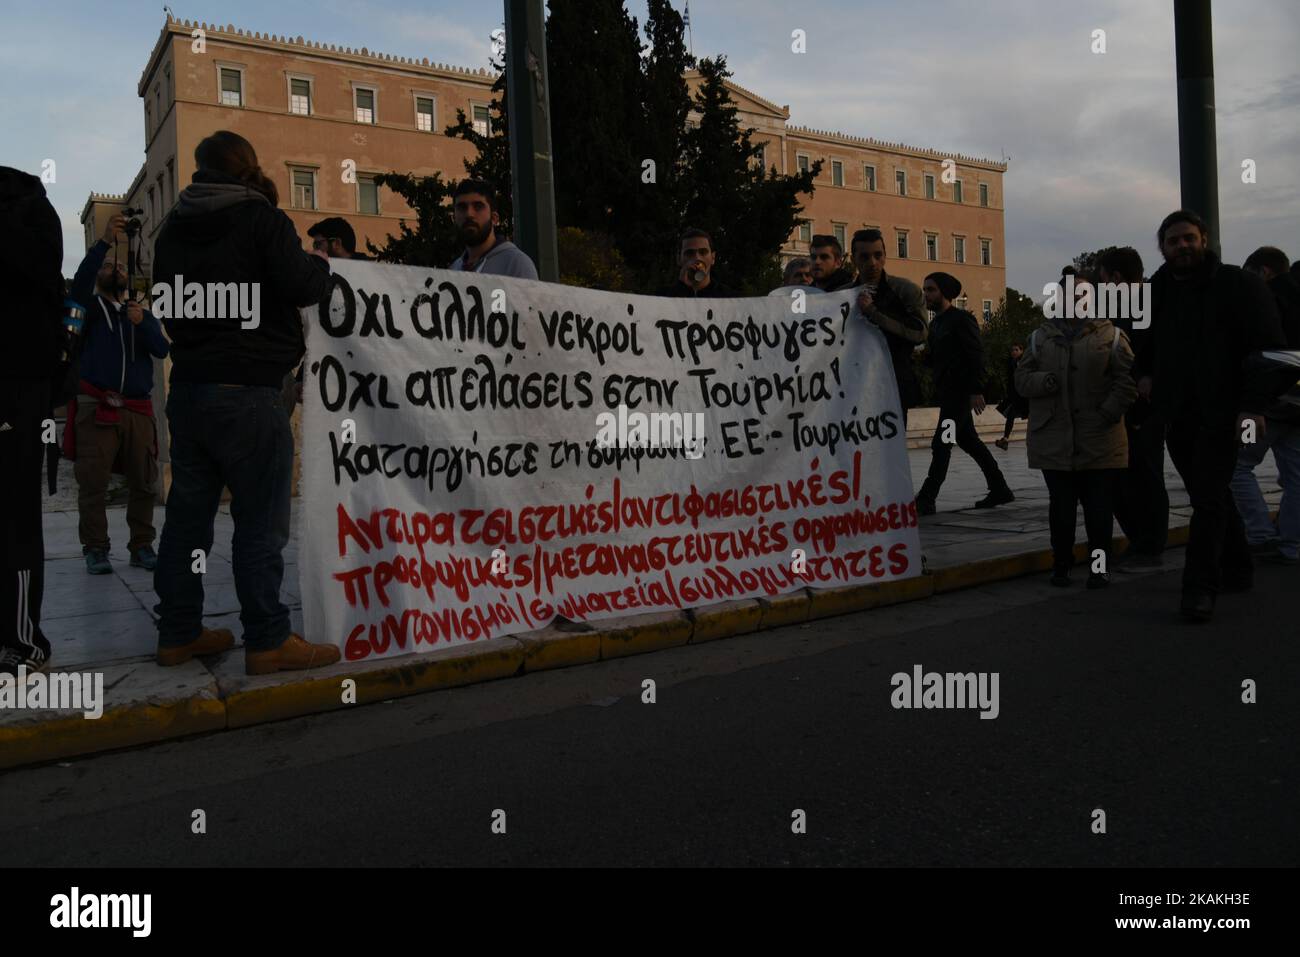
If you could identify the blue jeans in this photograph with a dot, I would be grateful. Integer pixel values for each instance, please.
(237, 437)
(1284, 439)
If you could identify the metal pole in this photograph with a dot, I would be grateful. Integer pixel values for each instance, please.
(530, 135)
(1198, 161)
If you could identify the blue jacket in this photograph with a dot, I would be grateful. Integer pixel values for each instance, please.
(115, 354)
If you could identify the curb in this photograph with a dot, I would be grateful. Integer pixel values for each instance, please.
(230, 699)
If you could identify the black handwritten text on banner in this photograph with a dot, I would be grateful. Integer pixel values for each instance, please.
(460, 482)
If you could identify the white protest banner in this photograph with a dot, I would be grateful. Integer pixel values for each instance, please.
(481, 454)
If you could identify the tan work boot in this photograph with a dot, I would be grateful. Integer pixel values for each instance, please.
(294, 655)
(210, 641)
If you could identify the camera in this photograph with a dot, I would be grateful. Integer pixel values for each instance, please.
(132, 219)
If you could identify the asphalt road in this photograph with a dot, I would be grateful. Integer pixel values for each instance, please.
(1106, 701)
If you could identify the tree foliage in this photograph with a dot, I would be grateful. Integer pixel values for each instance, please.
(637, 159)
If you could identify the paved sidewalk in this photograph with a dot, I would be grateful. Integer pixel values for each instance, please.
(106, 623)
(93, 620)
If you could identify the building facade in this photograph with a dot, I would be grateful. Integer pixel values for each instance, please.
(325, 119)
(939, 212)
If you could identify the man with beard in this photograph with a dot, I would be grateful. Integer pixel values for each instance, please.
(110, 425)
(1205, 318)
(474, 211)
(828, 269)
(895, 306)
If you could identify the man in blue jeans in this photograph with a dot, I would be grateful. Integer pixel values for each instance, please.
(1279, 544)
(228, 426)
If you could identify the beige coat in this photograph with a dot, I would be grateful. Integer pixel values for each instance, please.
(1078, 392)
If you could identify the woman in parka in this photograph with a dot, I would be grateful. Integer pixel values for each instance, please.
(1075, 372)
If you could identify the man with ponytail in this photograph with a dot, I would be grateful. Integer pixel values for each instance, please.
(228, 427)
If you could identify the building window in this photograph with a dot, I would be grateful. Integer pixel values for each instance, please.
(148, 119)
(304, 188)
(959, 249)
(837, 173)
(152, 207)
(367, 195)
(232, 87)
(902, 244)
(986, 252)
(480, 119)
(805, 231)
(869, 178)
(956, 191)
(162, 202)
(984, 194)
(932, 247)
(900, 180)
(839, 231)
(988, 311)
(300, 96)
(961, 301)
(761, 156)
(929, 186)
(801, 161)
(157, 102)
(365, 104)
(424, 113)
(171, 181)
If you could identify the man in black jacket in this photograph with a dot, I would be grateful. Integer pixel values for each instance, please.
(228, 425)
(1206, 317)
(32, 243)
(956, 354)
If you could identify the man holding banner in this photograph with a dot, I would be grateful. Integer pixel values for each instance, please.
(518, 507)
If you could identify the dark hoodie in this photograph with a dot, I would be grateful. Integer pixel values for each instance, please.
(221, 231)
(31, 244)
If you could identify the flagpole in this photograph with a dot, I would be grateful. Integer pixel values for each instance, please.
(690, 36)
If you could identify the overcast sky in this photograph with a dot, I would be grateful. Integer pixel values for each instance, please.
(1092, 138)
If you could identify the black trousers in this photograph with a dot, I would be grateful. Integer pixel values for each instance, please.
(24, 406)
(1066, 491)
(1141, 499)
(967, 439)
(1205, 456)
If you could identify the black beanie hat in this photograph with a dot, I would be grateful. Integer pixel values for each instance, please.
(948, 284)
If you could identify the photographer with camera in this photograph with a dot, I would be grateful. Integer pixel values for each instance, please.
(110, 424)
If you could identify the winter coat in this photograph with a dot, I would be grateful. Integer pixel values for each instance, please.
(32, 240)
(956, 353)
(1195, 358)
(221, 231)
(899, 312)
(1078, 390)
(116, 355)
